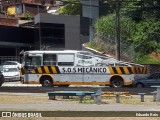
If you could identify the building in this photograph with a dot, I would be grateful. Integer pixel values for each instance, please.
(21, 8)
(93, 9)
(45, 31)
(58, 31)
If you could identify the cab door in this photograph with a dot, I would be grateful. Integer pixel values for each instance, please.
(32, 62)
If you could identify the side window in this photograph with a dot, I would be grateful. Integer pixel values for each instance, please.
(65, 60)
(158, 76)
(83, 56)
(153, 76)
(49, 59)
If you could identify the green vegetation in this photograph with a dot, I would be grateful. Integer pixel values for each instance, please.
(28, 16)
(71, 7)
(140, 27)
(145, 59)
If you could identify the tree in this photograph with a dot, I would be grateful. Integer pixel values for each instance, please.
(72, 7)
(139, 21)
(106, 24)
(147, 36)
(28, 16)
(142, 9)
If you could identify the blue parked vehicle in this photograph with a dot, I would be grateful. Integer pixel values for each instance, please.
(153, 79)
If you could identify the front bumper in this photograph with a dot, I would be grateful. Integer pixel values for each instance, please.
(11, 79)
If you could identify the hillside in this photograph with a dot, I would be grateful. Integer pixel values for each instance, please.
(152, 58)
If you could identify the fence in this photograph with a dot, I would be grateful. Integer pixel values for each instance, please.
(107, 44)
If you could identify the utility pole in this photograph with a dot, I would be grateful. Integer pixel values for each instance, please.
(118, 49)
(39, 29)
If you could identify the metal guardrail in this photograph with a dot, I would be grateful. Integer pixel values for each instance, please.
(39, 89)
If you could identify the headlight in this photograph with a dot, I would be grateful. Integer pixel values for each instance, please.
(16, 75)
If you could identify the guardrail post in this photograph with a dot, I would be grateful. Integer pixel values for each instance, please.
(142, 96)
(81, 96)
(96, 98)
(117, 98)
(154, 95)
(65, 97)
(52, 97)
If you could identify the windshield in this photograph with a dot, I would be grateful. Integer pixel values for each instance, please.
(32, 61)
(9, 63)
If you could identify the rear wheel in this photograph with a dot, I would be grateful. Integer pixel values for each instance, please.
(139, 85)
(47, 83)
(116, 82)
(63, 85)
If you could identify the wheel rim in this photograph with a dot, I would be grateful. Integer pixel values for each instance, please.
(139, 86)
(46, 83)
(117, 83)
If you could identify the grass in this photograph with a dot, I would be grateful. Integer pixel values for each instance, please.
(16, 99)
(146, 60)
(43, 99)
(37, 99)
(31, 99)
(133, 100)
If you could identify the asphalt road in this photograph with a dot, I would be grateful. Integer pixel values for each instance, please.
(79, 107)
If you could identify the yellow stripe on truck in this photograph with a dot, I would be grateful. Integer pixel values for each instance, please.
(54, 69)
(46, 69)
(118, 70)
(40, 70)
(126, 70)
(111, 70)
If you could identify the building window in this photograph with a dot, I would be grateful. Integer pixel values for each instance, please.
(52, 2)
(42, 2)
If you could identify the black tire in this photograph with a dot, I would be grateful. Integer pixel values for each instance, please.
(116, 82)
(1, 84)
(139, 85)
(63, 85)
(47, 83)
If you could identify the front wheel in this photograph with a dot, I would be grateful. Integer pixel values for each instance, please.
(47, 83)
(116, 83)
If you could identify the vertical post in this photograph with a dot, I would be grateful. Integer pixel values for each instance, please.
(90, 22)
(39, 34)
(80, 98)
(39, 30)
(142, 97)
(99, 99)
(154, 97)
(24, 9)
(117, 98)
(117, 30)
(158, 94)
